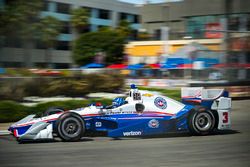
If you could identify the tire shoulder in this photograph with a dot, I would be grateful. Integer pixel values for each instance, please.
(63, 117)
(192, 116)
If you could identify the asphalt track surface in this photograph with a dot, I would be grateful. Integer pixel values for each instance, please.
(230, 149)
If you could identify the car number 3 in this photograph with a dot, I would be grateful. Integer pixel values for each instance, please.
(225, 117)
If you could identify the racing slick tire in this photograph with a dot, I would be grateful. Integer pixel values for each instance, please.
(201, 121)
(70, 127)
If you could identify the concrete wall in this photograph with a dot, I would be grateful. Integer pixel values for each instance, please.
(36, 55)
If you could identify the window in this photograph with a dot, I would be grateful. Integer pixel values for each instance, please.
(40, 45)
(12, 64)
(104, 14)
(136, 19)
(195, 26)
(45, 6)
(134, 35)
(88, 9)
(234, 57)
(65, 28)
(248, 23)
(248, 57)
(157, 34)
(12, 42)
(234, 23)
(63, 8)
(62, 45)
(61, 65)
(123, 16)
(41, 65)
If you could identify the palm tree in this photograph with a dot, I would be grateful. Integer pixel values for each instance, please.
(49, 29)
(17, 20)
(80, 19)
(124, 28)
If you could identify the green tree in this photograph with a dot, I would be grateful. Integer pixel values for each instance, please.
(124, 28)
(17, 20)
(80, 19)
(49, 30)
(108, 41)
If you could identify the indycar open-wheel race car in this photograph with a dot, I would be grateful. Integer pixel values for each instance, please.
(142, 113)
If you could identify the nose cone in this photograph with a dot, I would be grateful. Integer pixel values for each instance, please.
(9, 129)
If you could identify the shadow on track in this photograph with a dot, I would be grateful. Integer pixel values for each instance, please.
(184, 134)
(92, 137)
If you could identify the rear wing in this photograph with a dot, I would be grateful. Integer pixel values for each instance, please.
(201, 96)
(213, 99)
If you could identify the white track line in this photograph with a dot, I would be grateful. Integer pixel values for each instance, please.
(4, 132)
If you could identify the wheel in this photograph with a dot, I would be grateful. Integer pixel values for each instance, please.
(70, 127)
(53, 110)
(201, 121)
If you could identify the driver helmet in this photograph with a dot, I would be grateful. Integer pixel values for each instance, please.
(118, 102)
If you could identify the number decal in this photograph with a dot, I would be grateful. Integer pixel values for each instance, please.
(225, 117)
(137, 96)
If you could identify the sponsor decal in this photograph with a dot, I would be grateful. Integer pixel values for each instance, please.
(160, 103)
(98, 124)
(110, 112)
(148, 95)
(132, 133)
(153, 123)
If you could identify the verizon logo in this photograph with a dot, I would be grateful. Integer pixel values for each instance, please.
(132, 133)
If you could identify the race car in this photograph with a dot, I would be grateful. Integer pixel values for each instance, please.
(142, 113)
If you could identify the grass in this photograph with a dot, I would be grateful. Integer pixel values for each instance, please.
(171, 93)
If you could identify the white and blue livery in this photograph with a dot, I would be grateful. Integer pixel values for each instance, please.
(142, 113)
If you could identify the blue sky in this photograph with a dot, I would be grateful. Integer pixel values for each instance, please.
(142, 1)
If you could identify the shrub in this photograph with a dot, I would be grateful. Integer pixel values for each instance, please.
(11, 92)
(35, 86)
(105, 83)
(18, 72)
(67, 87)
(73, 86)
(67, 105)
(11, 111)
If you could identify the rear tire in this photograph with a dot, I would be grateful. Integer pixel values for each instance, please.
(201, 121)
(70, 127)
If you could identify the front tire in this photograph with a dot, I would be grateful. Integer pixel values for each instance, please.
(70, 127)
(201, 121)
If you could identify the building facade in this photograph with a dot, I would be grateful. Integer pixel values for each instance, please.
(151, 52)
(192, 21)
(102, 13)
(191, 18)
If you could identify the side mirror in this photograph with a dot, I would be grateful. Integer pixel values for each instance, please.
(99, 105)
